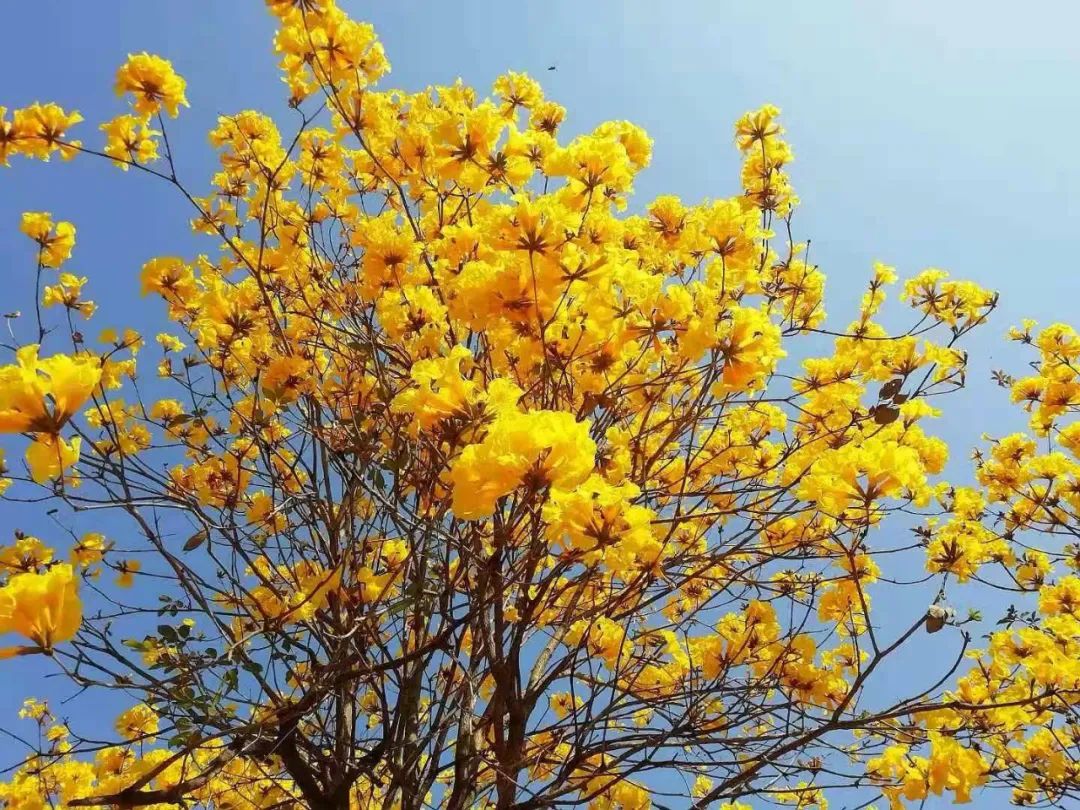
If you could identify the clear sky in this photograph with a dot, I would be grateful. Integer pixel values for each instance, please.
(926, 134)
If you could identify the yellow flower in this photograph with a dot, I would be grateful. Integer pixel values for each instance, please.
(599, 516)
(129, 140)
(539, 449)
(957, 303)
(286, 378)
(44, 608)
(757, 125)
(140, 722)
(440, 389)
(55, 241)
(9, 138)
(517, 90)
(48, 456)
(27, 554)
(394, 552)
(39, 130)
(170, 343)
(153, 83)
(126, 571)
(89, 550)
(602, 637)
(67, 293)
(372, 586)
(168, 276)
(1062, 598)
(26, 390)
(33, 709)
(701, 787)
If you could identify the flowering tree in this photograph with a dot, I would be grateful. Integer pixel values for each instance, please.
(458, 486)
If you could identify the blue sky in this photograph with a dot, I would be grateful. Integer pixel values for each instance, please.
(926, 134)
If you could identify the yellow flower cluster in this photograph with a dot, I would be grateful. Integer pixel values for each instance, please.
(39, 396)
(58, 778)
(534, 450)
(38, 132)
(55, 241)
(458, 439)
(153, 84)
(950, 766)
(42, 607)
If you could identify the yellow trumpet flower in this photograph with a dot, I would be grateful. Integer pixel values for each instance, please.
(40, 396)
(44, 608)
